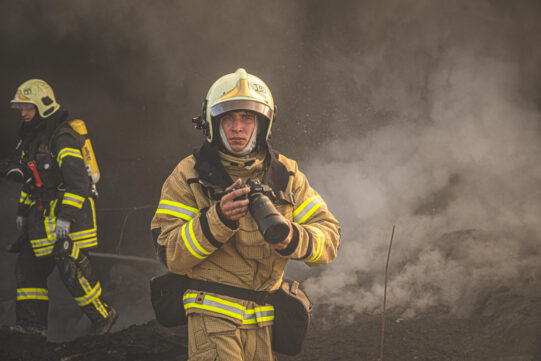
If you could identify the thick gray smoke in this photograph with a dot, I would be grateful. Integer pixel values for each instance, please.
(460, 180)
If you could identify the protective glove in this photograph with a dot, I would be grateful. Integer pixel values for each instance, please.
(21, 222)
(62, 228)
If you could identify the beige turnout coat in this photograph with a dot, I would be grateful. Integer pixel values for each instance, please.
(198, 244)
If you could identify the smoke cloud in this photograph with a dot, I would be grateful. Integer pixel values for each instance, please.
(455, 166)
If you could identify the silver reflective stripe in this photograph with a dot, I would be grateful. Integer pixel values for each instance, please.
(72, 199)
(32, 294)
(231, 309)
(191, 242)
(258, 315)
(42, 243)
(304, 213)
(86, 299)
(43, 251)
(84, 235)
(176, 209)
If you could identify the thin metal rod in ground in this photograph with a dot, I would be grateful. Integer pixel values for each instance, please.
(385, 298)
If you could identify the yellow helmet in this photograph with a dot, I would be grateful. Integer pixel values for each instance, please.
(39, 93)
(236, 91)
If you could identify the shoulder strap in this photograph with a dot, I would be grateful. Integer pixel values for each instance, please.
(65, 128)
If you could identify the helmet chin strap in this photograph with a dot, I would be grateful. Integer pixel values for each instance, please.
(248, 148)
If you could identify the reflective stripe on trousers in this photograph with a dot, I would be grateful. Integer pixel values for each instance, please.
(231, 309)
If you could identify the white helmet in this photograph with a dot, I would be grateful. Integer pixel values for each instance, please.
(236, 91)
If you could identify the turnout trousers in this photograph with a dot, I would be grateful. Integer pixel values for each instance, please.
(31, 274)
(212, 338)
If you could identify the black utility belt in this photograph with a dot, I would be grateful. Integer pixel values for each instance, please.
(44, 196)
(292, 308)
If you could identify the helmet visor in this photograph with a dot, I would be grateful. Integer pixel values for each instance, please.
(225, 107)
(23, 106)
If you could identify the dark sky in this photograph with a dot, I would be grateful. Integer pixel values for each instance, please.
(137, 71)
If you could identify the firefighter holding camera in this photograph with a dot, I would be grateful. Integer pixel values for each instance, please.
(230, 217)
(56, 214)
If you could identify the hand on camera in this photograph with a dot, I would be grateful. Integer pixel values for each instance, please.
(232, 209)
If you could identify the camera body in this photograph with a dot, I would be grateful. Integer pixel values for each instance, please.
(272, 225)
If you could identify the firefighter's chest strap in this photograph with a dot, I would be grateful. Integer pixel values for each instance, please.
(259, 297)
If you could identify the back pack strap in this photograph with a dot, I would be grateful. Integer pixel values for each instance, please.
(259, 297)
(80, 138)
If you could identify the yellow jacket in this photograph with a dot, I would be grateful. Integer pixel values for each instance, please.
(198, 244)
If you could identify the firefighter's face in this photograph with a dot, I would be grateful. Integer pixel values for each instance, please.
(28, 112)
(238, 127)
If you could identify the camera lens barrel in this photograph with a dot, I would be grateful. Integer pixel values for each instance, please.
(272, 225)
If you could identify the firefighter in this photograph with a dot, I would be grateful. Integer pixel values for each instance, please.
(218, 241)
(56, 213)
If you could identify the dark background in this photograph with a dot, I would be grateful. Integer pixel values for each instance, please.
(137, 72)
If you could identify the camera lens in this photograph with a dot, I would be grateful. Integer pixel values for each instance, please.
(270, 222)
(276, 233)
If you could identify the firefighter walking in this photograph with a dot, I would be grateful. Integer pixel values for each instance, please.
(56, 214)
(206, 228)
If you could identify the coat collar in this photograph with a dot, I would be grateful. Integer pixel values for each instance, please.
(211, 170)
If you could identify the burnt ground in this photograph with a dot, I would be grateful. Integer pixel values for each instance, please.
(506, 327)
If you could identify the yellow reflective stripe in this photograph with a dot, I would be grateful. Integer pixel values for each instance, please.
(73, 200)
(87, 243)
(32, 294)
(24, 198)
(259, 315)
(228, 308)
(100, 307)
(83, 234)
(70, 203)
(91, 293)
(37, 243)
(43, 251)
(307, 208)
(191, 243)
(320, 245)
(177, 209)
(68, 152)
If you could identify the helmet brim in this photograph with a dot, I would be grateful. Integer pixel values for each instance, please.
(231, 105)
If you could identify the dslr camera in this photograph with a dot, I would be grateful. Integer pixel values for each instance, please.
(272, 225)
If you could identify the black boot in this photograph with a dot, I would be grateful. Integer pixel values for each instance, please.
(104, 325)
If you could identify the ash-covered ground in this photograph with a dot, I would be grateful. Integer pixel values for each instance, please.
(507, 327)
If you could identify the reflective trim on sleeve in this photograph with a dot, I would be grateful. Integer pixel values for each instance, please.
(228, 308)
(73, 199)
(68, 152)
(320, 245)
(25, 199)
(191, 243)
(177, 209)
(32, 294)
(87, 243)
(307, 208)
